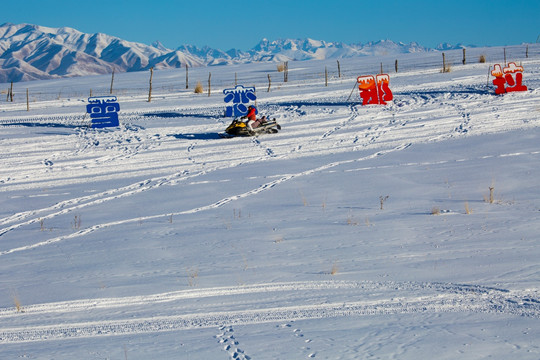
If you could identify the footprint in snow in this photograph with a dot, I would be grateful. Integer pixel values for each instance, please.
(230, 344)
(299, 334)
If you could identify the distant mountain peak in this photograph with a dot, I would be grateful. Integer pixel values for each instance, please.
(29, 52)
(158, 45)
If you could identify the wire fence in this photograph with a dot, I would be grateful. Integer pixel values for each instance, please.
(260, 75)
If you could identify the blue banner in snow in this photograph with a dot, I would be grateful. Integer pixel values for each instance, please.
(238, 99)
(103, 111)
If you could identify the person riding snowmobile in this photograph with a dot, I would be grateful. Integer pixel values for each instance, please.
(252, 121)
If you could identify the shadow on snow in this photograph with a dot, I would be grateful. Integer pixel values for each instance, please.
(203, 136)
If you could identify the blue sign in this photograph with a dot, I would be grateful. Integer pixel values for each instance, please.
(237, 100)
(103, 111)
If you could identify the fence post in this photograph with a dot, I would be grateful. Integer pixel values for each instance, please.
(235, 79)
(382, 72)
(112, 81)
(286, 72)
(464, 57)
(187, 77)
(209, 77)
(11, 92)
(443, 63)
(505, 57)
(527, 52)
(27, 101)
(338, 69)
(269, 83)
(396, 65)
(325, 76)
(150, 89)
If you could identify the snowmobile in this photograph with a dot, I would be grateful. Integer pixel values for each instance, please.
(240, 128)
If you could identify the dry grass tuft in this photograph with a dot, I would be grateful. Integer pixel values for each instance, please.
(491, 197)
(351, 221)
(468, 210)
(435, 211)
(193, 274)
(482, 59)
(198, 88)
(304, 200)
(16, 301)
(76, 224)
(335, 269)
(382, 199)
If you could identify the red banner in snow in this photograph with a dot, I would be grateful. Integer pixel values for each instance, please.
(375, 90)
(508, 79)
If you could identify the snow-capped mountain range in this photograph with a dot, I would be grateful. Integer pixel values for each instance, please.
(31, 52)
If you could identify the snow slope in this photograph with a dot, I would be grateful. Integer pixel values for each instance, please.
(355, 232)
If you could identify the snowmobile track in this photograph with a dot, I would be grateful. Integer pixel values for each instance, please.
(350, 299)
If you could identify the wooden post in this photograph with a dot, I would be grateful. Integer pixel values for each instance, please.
(235, 79)
(286, 71)
(11, 92)
(338, 69)
(464, 57)
(527, 52)
(325, 76)
(396, 65)
(27, 101)
(112, 81)
(150, 89)
(209, 77)
(443, 63)
(187, 77)
(382, 72)
(90, 92)
(269, 83)
(505, 64)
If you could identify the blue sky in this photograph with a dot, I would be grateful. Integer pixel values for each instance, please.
(242, 24)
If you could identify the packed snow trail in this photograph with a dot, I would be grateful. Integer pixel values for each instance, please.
(381, 298)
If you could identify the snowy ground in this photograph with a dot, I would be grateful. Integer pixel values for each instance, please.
(161, 240)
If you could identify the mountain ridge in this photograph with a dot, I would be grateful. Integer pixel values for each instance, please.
(35, 52)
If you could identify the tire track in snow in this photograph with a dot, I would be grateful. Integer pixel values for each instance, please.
(355, 299)
(147, 300)
(211, 206)
(349, 120)
(144, 186)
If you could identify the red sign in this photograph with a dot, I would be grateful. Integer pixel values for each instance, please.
(375, 90)
(511, 75)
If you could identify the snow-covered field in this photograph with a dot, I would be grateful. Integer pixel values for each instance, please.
(357, 232)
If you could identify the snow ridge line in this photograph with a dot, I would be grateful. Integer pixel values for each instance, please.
(469, 301)
(134, 189)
